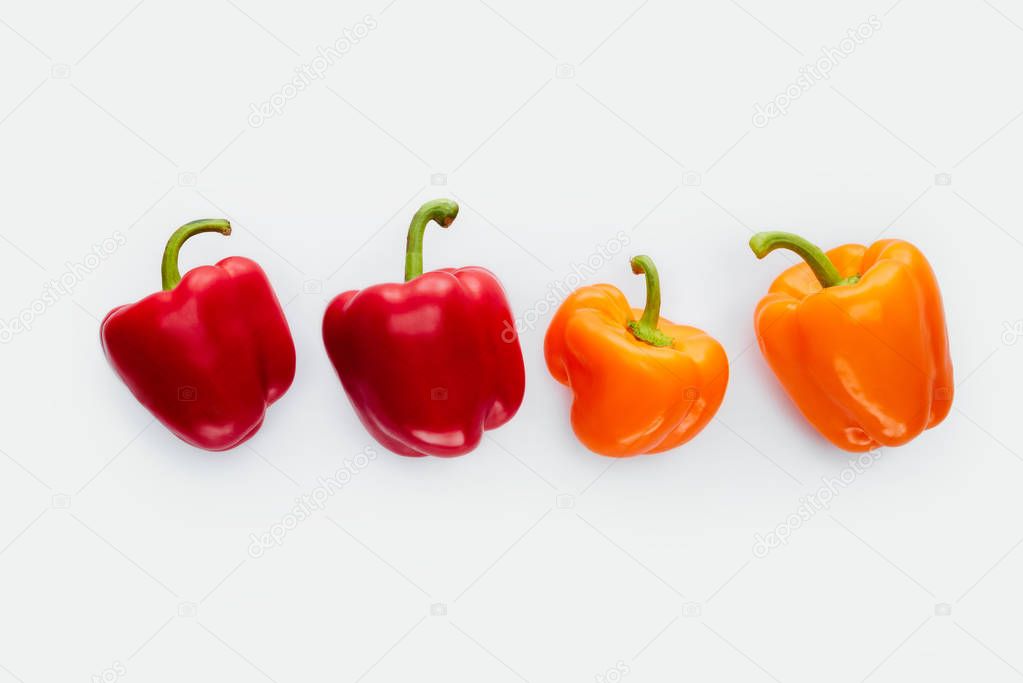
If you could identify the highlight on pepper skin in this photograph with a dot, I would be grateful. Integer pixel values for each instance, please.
(857, 338)
(428, 363)
(640, 383)
(208, 354)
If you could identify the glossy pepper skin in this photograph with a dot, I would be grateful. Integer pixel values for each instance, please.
(431, 363)
(640, 383)
(209, 353)
(857, 338)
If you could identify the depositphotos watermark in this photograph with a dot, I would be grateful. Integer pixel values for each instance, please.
(615, 673)
(810, 505)
(112, 673)
(1012, 332)
(308, 503)
(75, 272)
(558, 290)
(815, 72)
(314, 70)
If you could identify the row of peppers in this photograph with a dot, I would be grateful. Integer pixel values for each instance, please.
(856, 336)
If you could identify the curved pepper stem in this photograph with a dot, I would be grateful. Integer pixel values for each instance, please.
(169, 267)
(763, 243)
(645, 329)
(444, 212)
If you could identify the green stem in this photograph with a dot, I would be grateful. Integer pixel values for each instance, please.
(169, 267)
(763, 243)
(645, 329)
(441, 210)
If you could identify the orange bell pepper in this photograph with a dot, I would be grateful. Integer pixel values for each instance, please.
(641, 384)
(857, 337)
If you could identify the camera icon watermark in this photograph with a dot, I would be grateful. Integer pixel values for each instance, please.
(438, 178)
(312, 286)
(60, 71)
(188, 394)
(692, 610)
(943, 179)
(564, 71)
(564, 501)
(943, 609)
(691, 393)
(692, 179)
(438, 394)
(187, 179)
(61, 501)
(438, 609)
(188, 610)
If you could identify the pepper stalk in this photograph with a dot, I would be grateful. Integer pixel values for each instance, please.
(645, 329)
(763, 243)
(169, 268)
(443, 211)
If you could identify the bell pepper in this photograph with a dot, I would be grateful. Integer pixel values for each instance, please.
(210, 352)
(857, 338)
(430, 363)
(640, 383)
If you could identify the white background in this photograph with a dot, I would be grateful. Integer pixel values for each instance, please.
(124, 553)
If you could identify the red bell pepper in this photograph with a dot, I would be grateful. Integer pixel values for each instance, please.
(424, 362)
(209, 353)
